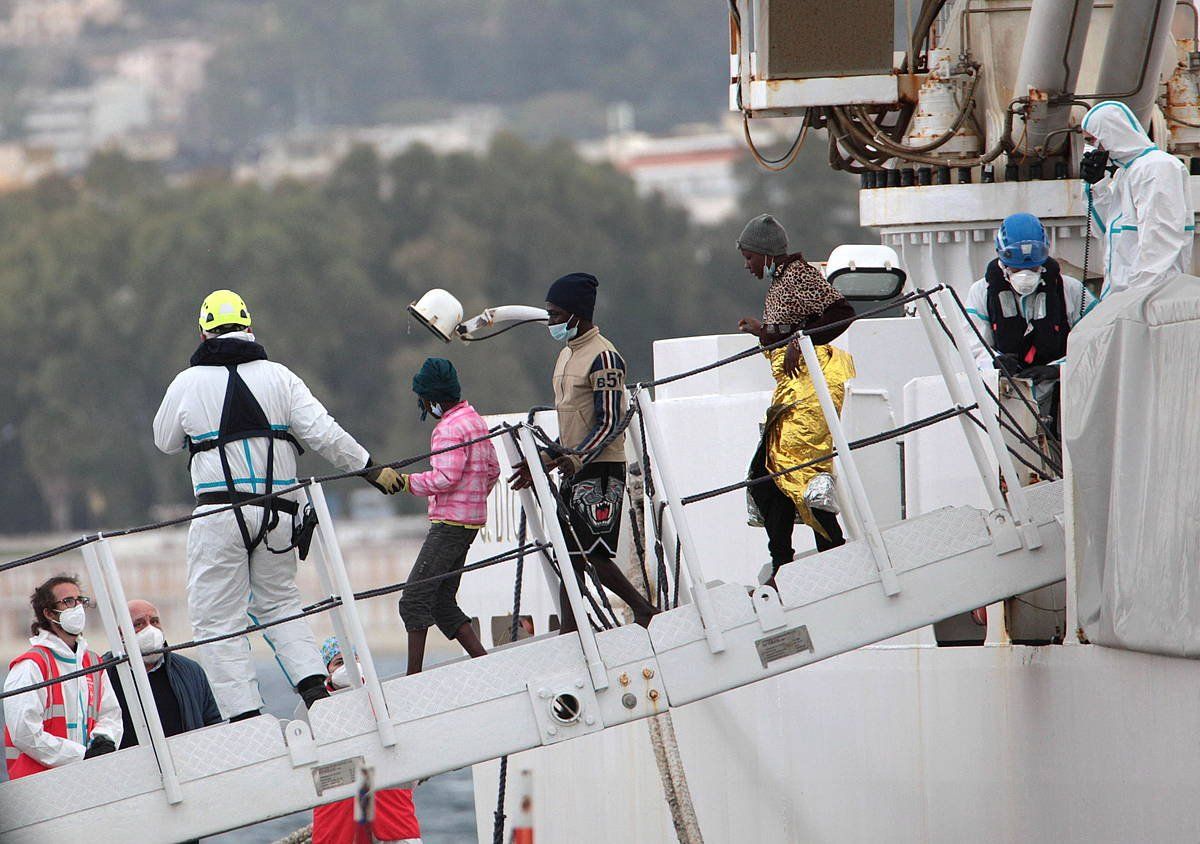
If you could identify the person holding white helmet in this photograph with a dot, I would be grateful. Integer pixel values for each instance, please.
(1025, 308)
(243, 418)
(1139, 197)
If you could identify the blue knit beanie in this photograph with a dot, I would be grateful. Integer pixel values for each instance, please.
(437, 381)
(576, 294)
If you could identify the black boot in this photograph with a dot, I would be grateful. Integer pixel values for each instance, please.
(311, 689)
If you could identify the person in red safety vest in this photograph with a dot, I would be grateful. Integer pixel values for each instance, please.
(395, 819)
(64, 722)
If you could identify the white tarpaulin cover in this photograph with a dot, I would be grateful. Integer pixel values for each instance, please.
(1131, 425)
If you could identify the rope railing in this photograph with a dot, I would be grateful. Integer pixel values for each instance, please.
(601, 609)
(874, 439)
(1051, 436)
(257, 500)
(324, 605)
(620, 429)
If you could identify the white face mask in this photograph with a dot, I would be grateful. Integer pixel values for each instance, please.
(150, 638)
(1025, 281)
(72, 620)
(340, 678)
(435, 410)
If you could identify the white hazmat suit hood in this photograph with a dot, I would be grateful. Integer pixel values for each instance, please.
(1144, 210)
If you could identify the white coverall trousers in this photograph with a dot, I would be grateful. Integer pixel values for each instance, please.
(226, 594)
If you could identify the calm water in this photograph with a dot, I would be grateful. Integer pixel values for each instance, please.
(445, 804)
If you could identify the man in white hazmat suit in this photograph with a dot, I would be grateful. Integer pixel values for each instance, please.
(243, 418)
(1139, 198)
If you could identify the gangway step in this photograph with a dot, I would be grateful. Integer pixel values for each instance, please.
(540, 692)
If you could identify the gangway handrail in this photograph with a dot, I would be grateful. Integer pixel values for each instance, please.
(924, 309)
(321, 606)
(858, 493)
(408, 461)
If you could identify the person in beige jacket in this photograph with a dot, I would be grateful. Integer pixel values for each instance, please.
(589, 395)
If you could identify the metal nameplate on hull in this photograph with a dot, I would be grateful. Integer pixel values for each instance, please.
(336, 774)
(780, 645)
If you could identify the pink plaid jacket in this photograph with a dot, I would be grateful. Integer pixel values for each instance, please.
(458, 484)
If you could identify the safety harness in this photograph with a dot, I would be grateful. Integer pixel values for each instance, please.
(1038, 341)
(242, 418)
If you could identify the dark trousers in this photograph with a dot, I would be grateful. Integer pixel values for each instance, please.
(779, 516)
(425, 604)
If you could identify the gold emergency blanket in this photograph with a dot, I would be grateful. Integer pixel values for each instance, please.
(795, 430)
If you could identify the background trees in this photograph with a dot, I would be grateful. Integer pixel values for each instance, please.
(101, 279)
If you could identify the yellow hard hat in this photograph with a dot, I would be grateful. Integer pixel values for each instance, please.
(223, 307)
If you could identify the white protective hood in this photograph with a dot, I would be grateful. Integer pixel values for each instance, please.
(1117, 130)
(1130, 405)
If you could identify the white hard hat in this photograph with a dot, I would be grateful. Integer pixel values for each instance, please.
(439, 311)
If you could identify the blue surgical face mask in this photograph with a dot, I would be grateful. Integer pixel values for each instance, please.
(434, 408)
(563, 331)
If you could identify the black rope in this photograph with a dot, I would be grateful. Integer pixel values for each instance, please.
(321, 606)
(499, 816)
(588, 454)
(638, 529)
(467, 339)
(874, 439)
(779, 344)
(663, 591)
(1051, 436)
(259, 500)
(1012, 427)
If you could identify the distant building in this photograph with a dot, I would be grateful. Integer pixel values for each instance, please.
(173, 71)
(694, 168)
(72, 123)
(312, 154)
(36, 23)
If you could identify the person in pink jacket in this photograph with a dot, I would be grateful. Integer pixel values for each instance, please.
(457, 486)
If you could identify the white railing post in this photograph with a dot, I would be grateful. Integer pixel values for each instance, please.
(849, 469)
(113, 630)
(854, 528)
(317, 552)
(950, 373)
(1018, 504)
(541, 487)
(331, 556)
(533, 525)
(691, 553)
(141, 678)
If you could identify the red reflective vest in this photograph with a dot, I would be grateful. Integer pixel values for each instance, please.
(55, 721)
(395, 819)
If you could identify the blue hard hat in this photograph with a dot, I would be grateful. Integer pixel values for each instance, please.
(1021, 242)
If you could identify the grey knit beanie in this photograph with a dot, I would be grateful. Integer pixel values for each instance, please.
(765, 236)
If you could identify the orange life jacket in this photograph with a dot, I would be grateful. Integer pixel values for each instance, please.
(55, 720)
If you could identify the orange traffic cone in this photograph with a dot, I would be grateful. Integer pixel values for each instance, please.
(522, 831)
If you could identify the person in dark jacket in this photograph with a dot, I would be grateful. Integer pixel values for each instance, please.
(182, 694)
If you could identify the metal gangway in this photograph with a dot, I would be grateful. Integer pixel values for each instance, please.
(885, 581)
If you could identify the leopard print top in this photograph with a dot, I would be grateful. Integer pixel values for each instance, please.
(798, 292)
